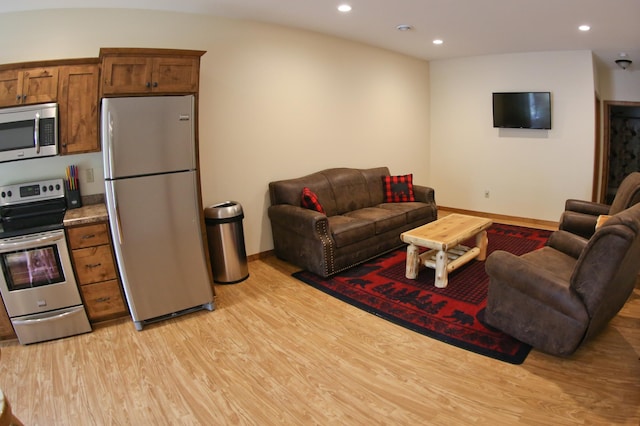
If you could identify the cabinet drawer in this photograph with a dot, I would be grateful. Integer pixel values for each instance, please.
(94, 264)
(103, 300)
(88, 236)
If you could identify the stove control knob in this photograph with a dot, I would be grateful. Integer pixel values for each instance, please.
(3, 194)
(9, 193)
(50, 187)
(57, 187)
(44, 189)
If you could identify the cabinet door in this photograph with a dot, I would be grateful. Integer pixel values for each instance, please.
(103, 300)
(88, 235)
(9, 88)
(78, 105)
(126, 74)
(6, 329)
(175, 74)
(94, 264)
(40, 85)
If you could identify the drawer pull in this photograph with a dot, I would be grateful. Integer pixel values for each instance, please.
(94, 265)
(103, 299)
(86, 237)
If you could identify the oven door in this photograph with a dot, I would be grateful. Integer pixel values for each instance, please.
(37, 275)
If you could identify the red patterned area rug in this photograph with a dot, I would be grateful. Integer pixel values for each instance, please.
(453, 314)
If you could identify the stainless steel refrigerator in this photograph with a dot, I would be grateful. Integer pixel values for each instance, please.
(151, 192)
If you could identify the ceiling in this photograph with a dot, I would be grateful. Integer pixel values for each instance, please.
(467, 27)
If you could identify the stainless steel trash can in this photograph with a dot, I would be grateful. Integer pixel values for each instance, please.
(226, 242)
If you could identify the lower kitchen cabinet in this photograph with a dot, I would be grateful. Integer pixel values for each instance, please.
(6, 329)
(96, 272)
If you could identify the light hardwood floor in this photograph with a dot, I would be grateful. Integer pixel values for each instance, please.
(276, 351)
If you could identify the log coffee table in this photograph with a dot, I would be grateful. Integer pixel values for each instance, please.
(443, 237)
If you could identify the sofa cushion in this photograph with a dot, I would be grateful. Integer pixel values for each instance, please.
(349, 188)
(398, 189)
(414, 211)
(384, 219)
(310, 200)
(348, 230)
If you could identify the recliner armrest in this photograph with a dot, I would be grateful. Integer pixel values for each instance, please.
(586, 207)
(535, 282)
(567, 243)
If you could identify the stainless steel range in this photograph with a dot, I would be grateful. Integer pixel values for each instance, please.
(37, 282)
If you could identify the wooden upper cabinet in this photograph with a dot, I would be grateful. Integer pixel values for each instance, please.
(28, 86)
(78, 108)
(149, 71)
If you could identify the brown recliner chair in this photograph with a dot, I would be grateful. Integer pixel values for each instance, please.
(580, 216)
(559, 296)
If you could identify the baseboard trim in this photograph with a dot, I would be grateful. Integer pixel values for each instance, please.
(500, 218)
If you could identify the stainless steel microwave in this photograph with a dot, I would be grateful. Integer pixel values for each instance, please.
(29, 131)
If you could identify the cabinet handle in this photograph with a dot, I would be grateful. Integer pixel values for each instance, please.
(148, 84)
(95, 265)
(86, 237)
(103, 299)
(24, 98)
(18, 98)
(155, 84)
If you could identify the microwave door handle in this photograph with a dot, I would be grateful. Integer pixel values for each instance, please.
(36, 133)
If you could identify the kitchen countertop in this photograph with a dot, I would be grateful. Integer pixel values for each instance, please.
(87, 214)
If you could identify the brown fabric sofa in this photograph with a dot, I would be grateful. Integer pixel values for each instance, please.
(358, 224)
(580, 216)
(557, 297)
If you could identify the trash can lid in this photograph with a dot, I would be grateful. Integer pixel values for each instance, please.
(224, 210)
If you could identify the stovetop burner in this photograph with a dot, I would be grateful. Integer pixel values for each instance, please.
(31, 207)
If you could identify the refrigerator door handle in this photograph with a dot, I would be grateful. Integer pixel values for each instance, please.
(109, 153)
(117, 221)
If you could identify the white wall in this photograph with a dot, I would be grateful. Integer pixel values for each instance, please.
(529, 173)
(275, 102)
(618, 84)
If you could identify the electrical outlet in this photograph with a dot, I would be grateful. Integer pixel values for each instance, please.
(486, 193)
(89, 175)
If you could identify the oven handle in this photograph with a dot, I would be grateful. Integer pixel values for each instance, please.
(31, 242)
(44, 319)
(36, 133)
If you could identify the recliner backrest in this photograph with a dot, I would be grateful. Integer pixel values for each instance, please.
(628, 193)
(607, 270)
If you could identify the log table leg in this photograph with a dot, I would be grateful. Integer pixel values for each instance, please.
(413, 262)
(442, 278)
(481, 242)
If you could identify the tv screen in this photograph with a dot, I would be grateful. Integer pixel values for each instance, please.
(522, 110)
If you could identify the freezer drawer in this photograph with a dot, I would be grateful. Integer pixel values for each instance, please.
(51, 325)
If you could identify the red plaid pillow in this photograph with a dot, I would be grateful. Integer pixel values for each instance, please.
(310, 200)
(398, 189)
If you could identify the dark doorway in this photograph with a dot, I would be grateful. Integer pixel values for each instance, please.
(622, 145)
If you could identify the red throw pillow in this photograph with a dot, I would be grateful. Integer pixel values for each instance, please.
(398, 189)
(310, 200)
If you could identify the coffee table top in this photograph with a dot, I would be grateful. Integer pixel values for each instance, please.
(446, 233)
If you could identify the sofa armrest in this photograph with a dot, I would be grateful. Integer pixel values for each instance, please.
(586, 207)
(424, 194)
(296, 219)
(568, 243)
(535, 282)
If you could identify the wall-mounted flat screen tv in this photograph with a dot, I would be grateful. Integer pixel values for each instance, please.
(522, 110)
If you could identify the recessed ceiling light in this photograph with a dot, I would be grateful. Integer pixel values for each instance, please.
(344, 8)
(404, 27)
(437, 41)
(584, 27)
